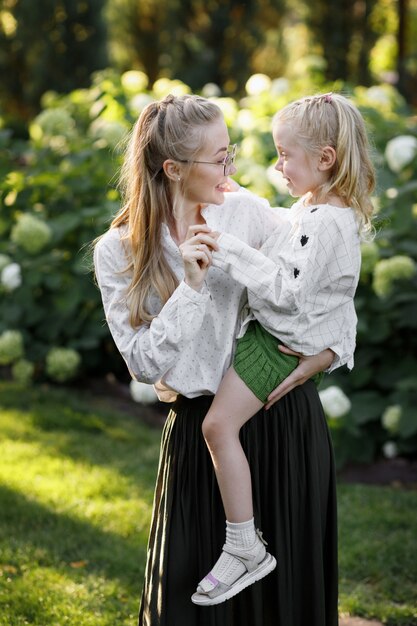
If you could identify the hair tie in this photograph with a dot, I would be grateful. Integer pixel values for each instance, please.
(328, 97)
(169, 99)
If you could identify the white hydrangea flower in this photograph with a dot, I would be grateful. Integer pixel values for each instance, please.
(387, 271)
(391, 193)
(11, 346)
(134, 81)
(111, 132)
(379, 95)
(400, 151)
(335, 402)
(251, 147)
(257, 84)
(279, 86)
(370, 256)
(142, 393)
(31, 233)
(11, 276)
(164, 86)
(229, 108)
(62, 363)
(211, 90)
(390, 450)
(52, 122)
(138, 102)
(22, 372)
(391, 417)
(246, 120)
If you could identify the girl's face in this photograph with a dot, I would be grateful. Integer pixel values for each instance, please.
(299, 168)
(206, 182)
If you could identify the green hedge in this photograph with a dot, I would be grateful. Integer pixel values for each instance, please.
(58, 192)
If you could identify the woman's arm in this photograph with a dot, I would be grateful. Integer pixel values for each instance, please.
(152, 349)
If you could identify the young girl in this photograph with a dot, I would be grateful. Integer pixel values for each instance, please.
(301, 285)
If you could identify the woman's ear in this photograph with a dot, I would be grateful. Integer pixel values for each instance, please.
(327, 158)
(172, 170)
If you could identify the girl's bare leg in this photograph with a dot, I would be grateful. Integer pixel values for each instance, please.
(243, 559)
(233, 405)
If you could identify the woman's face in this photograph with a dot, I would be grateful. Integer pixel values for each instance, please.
(206, 182)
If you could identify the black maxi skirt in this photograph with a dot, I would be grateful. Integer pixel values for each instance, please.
(294, 489)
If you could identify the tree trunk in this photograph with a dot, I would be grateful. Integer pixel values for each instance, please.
(402, 45)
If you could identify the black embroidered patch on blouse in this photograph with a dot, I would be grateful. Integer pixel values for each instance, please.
(303, 240)
(296, 272)
(315, 209)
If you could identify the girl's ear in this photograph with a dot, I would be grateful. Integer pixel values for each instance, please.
(327, 158)
(172, 170)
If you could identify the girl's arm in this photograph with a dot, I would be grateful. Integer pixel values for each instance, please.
(308, 366)
(152, 349)
(262, 276)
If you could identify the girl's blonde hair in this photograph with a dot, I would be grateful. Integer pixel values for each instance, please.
(173, 128)
(332, 120)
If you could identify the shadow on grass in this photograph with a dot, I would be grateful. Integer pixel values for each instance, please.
(42, 537)
(66, 426)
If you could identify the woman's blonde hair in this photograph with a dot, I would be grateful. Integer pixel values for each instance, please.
(173, 128)
(332, 120)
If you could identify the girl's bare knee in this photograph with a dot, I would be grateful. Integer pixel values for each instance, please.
(213, 427)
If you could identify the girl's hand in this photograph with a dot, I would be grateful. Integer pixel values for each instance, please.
(232, 185)
(307, 367)
(196, 254)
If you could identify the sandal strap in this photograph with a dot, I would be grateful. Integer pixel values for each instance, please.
(245, 556)
(248, 560)
(261, 537)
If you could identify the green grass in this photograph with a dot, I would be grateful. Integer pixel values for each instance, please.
(76, 485)
(76, 491)
(378, 553)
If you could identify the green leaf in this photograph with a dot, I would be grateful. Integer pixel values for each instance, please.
(366, 406)
(408, 422)
(63, 224)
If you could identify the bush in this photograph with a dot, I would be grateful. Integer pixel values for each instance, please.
(59, 194)
(383, 384)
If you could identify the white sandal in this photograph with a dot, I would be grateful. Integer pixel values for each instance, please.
(258, 563)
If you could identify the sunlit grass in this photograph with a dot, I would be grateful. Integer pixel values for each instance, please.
(76, 488)
(75, 502)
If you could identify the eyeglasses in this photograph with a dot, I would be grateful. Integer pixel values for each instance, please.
(227, 162)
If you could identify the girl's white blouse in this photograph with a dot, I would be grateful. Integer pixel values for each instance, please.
(302, 282)
(188, 346)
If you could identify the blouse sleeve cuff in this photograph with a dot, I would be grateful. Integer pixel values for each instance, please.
(226, 245)
(198, 297)
(340, 358)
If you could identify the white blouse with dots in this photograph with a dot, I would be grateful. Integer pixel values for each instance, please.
(188, 346)
(302, 281)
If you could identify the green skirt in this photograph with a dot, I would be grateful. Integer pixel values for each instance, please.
(260, 364)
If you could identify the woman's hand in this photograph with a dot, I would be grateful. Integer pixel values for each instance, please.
(196, 254)
(307, 367)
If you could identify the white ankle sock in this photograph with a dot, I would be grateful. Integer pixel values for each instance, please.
(239, 535)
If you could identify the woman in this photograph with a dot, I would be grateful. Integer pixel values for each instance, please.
(174, 317)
